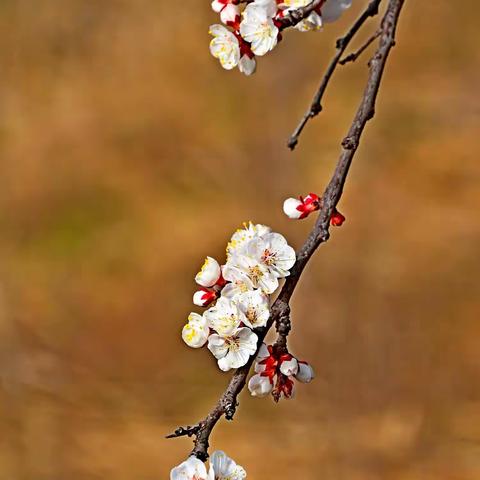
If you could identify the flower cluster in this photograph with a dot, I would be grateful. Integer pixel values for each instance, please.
(275, 372)
(238, 294)
(256, 30)
(221, 468)
(302, 207)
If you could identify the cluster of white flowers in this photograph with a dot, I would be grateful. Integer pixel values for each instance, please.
(238, 294)
(237, 301)
(275, 372)
(256, 30)
(221, 468)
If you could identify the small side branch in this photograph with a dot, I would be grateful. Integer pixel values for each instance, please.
(280, 311)
(341, 45)
(353, 56)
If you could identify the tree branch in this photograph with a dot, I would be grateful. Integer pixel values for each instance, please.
(341, 45)
(320, 233)
(353, 56)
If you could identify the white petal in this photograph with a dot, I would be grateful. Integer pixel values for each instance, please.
(247, 65)
(268, 283)
(225, 468)
(224, 317)
(259, 386)
(217, 345)
(222, 465)
(217, 6)
(230, 13)
(305, 373)
(290, 208)
(209, 273)
(289, 367)
(195, 332)
(263, 353)
(255, 307)
(189, 469)
(219, 31)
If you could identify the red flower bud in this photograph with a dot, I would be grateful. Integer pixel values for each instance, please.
(337, 219)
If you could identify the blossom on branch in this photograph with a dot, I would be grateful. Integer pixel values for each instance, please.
(255, 308)
(257, 29)
(234, 350)
(224, 317)
(190, 469)
(273, 252)
(209, 274)
(222, 467)
(275, 372)
(243, 235)
(258, 26)
(195, 332)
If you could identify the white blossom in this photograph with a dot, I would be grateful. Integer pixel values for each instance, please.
(224, 317)
(209, 274)
(255, 307)
(233, 351)
(235, 288)
(251, 272)
(241, 237)
(223, 467)
(195, 332)
(273, 252)
(257, 26)
(190, 469)
(224, 46)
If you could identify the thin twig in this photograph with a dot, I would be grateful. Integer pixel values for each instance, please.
(320, 233)
(354, 55)
(341, 45)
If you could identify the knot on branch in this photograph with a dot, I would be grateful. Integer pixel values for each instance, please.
(230, 409)
(315, 110)
(187, 431)
(350, 143)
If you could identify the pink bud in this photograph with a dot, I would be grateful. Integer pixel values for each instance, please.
(301, 207)
(292, 208)
(230, 13)
(218, 5)
(204, 297)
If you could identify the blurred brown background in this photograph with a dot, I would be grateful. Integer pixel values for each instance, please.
(128, 154)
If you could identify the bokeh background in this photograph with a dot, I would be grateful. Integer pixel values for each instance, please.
(127, 155)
